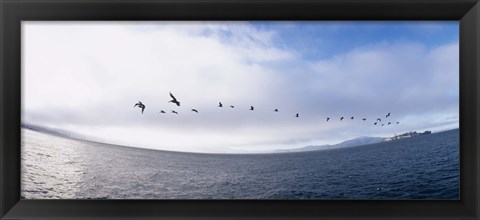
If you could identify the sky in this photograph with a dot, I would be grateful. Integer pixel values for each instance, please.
(85, 77)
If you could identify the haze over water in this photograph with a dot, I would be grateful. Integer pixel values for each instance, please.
(424, 167)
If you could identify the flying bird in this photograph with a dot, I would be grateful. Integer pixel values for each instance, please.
(140, 105)
(352, 117)
(328, 119)
(276, 110)
(341, 118)
(364, 119)
(251, 108)
(174, 100)
(383, 124)
(379, 119)
(220, 105)
(375, 123)
(174, 112)
(386, 116)
(194, 110)
(389, 123)
(398, 122)
(296, 115)
(232, 106)
(162, 111)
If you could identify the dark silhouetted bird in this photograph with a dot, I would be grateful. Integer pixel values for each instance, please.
(379, 119)
(276, 110)
(364, 119)
(162, 111)
(174, 112)
(140, 105)
(352, 117)
(328, 119)
(232, 106)
(386, 116)
(174, 100)
(194, 110)
(296, 115)
(375, 123)
(383, 124)
(220, 104)
(251, 108)
(341, 118)
(398, 122)
(389, 123)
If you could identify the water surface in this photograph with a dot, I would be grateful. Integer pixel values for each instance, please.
(425, 167)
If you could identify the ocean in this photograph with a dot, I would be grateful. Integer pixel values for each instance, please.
(424, 167)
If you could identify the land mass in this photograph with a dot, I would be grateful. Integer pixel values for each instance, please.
(349, 143)
(359, 141)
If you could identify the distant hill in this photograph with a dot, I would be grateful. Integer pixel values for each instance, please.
(44, 129)
(349, 143)
(52, 131)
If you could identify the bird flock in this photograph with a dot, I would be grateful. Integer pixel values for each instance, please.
(174, 100)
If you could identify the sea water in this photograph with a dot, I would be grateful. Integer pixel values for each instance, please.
(424, 167)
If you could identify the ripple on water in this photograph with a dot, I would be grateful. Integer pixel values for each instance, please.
(424, 167)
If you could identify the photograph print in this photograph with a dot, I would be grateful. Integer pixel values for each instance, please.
(282, 110)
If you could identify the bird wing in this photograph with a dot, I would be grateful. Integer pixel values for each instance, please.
(173, 97)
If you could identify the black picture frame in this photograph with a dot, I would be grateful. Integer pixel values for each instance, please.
(12, 12)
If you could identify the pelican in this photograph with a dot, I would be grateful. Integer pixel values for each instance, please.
(174, 100)
(328, 119)
(140, 105)
(162, 111)
(389, 123)
(341, 118)
(364, 119)
(174, 112)
(398, 122)
(383, 124)
(194, 110)
(220, 104)
(251, 108)
(379, 119)
(386, 116)
(232, 106)
(375, 123)
(296, 115)
(352, 117)
(276, 110)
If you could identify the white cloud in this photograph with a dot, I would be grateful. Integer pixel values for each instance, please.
(87, 77)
